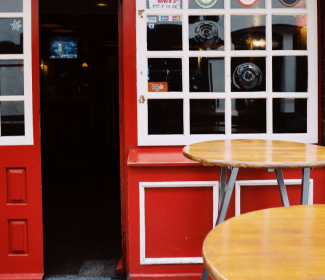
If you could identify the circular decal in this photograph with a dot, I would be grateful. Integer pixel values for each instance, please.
(289, 3)
(247, 76)
(206, 33)
(247, 2)
(206, 3)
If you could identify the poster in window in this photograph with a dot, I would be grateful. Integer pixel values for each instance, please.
(289, 3)
(247, 2)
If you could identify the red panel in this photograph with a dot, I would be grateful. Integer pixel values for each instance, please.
(18, 239)
(16, 185)
(177, 221)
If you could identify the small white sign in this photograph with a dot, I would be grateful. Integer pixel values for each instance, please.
(247, 2)
(151, 19)
(165, 4)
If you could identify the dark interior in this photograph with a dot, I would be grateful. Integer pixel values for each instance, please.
(80, 138)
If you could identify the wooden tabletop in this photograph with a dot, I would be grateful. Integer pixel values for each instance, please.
(256, 154)
(280, 243)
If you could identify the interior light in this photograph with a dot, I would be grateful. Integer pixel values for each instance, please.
(84, 64)
(102, 5)
(259, 43)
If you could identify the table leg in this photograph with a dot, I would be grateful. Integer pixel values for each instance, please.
(223, 178)
(282, 187)
(205, 274)
(305, 186)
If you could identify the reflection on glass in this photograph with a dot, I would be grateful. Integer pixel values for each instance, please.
(248, 32)
(165, 116)
(164, 33)
(11, 35)
(207, 74)
(11, 77)
(289, 115)
(11, 6)
(248, 74)
(162, 4)
(205, 4)
(248, 115)
(207, 116)
(290, 74)
(206, 33)
(285, 4)
(12, 118)
(247, 4)
(289, 32)
(164, 74)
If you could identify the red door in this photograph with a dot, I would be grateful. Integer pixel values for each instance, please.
(21, 236)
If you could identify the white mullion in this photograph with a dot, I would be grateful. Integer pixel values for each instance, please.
(12, 56)
(14, 15)
(269, 72)
(206, 53)
(12, 98)
(228, 54)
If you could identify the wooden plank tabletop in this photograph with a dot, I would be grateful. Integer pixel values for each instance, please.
(256, 154)
(280, 243)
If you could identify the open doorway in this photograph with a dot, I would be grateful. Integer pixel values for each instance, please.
(79, 133)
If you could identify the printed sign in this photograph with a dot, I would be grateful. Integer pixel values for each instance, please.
(247, 2)
(157, 86)
(289, 3)
(165, 4)
(206, 3)
(151, 19)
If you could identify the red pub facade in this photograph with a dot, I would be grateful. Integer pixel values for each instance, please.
(190, 71)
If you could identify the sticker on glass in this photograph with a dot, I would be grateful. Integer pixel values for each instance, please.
(151, 19)
(289, 3)
(247, 76)
(206, 3)
(247, 2)
(16, 25)
(165, 4)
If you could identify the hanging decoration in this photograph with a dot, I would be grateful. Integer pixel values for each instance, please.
(16, 25)
(289, 3)
(247, 76)
(247, 2)
(206, 3)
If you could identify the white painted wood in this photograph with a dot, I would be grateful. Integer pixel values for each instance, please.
(259, 183)
(142, 186)
(142, 56)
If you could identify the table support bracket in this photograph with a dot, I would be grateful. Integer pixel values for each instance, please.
(305, 186)
(282, 187)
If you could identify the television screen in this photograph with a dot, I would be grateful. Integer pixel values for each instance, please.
(62, 47)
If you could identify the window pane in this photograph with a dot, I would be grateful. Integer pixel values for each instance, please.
(11, 6)
(289, 32)
(207, 74)
(290, 74)
(205, 4)
(288, 3)
(165, 116)
(247, 4)
(248, 32)
(289, 115)
(206, 33)
(11, 77)
(164, 74)
(207, 116)
(12, 118)
(164, 33)
(248, 116)
(163, 4)
(248, 74)
(11, 35)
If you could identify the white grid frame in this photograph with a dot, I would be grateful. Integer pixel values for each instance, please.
(27, 98)
(181, 260)
(186, 138)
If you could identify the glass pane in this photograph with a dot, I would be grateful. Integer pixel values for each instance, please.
(206, 33)
(248, 116)
(248, 74)
(11, 77)
(207, 116)
(289, 32)
(164, 74)
(290, 74)
(164, 4)
(165, 116)
(207, 74)
(206, 4)
(289, 115)
(11, 35)
(164, 33)
(288, 3)
(12, 118)
(11, 6)
(248, 32)
(248, 4)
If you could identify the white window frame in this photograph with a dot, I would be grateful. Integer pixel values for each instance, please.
(142, 82)
(27, 139)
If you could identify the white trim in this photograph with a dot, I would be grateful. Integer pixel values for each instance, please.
(259, 183)
(142, 186)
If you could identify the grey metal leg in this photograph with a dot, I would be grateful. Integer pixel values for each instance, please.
(205, 274)
(305, 186)
(223, 178)
(282, 187)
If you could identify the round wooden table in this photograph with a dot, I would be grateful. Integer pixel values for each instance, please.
(279, 243)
